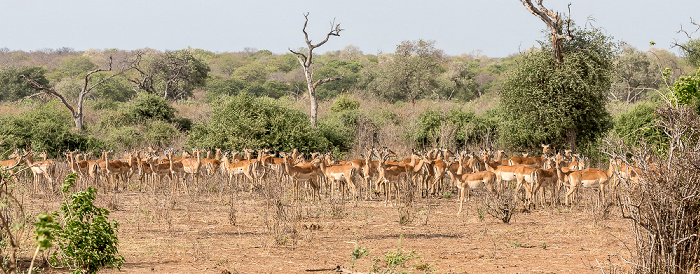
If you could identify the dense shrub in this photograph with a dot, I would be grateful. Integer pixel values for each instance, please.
(159, 132)
(86, 238)
(637, 126)
(218, 87)
(13, 87)
(150, 106)
(687, 90)
(48, 127)
(245, 121)
(460, 127)
(343, 103)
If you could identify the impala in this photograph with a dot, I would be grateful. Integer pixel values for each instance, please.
(525, 176)
(472, 181)
(158, 170)
(342, 173)
(369, 170)
(117, 169)
(392, 173)
(45, 168)
(625, 172)
(516, 160)
(304, 172)
(503, 174)
(176, 169)
(592, 178)
(192, 166)
(12, 161)
(500, 161)
(389, 175)
(243, 167)
(537, 162)
(547, 178)
(439, 170)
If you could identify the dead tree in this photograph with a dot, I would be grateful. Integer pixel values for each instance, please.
(77, 110)
(306, 63)
(554, 22)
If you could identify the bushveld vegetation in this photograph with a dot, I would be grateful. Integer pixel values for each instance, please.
(632, 112)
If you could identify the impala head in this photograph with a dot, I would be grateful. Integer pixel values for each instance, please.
(582, 163)
(525, 154)
(546, 149)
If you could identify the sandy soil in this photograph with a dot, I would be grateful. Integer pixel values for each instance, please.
(224, 233)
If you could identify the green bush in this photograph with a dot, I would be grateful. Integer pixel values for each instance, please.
(13, 87)
(218, 87)
(245, 121)
(48, 127)
(150, 106)
(687, 90)
(343, 103)
(637, 126)
(431, 122)
(159, 132)
(87, 240)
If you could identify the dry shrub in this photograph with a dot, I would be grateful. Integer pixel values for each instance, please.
(501, 206)
(664, 205)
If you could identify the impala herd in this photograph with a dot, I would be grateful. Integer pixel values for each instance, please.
(376, 173)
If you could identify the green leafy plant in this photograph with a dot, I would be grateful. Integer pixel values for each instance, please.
(359, 252)
(87, 240)
(44, 234)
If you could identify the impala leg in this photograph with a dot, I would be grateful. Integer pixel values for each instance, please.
(461, 200)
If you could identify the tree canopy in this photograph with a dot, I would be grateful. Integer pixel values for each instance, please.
(544, 101)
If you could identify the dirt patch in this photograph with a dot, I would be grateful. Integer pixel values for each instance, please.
(225, 233)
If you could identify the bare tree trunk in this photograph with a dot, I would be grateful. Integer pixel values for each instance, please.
(306, 64)
(553, 21)
(76, 112)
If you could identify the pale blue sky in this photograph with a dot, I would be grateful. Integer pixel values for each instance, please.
(496, 28)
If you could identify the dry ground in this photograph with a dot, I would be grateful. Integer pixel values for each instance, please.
(216, 232)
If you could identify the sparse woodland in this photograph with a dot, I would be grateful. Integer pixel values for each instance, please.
(599, 124)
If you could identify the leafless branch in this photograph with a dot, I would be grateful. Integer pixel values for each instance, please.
(37, 86)
(319, 82)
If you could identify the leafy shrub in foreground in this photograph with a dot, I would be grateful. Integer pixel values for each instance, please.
(87, 240)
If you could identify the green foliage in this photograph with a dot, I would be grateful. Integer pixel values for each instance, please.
(464, 127)
(150, 106)
(691, 52)
(334, 68)
(72, 66)
(687, 90)
(410, 74)
(457, 82)
(174, 74)
(218, 87)
(637, 126)
(160, 132)
(359, 252)
(13, 87)
(44, 230)
(543, 101)
(115, 89)
(244, 121)
(253, 72)
(395, 261)
(634, 74)
(343, 103)
(87, 240)
(48, 127)
(428, 124)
